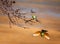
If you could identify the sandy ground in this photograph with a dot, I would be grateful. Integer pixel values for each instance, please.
(18, 35)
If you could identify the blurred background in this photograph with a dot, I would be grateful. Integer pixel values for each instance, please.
(48, 13)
